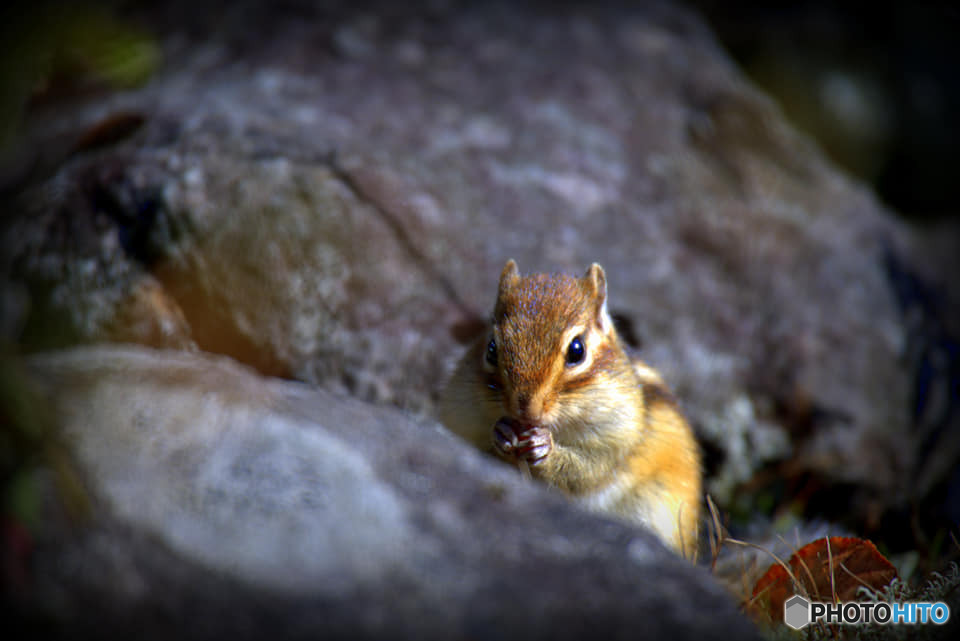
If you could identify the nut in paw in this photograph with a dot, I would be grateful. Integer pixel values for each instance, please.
(514, 441)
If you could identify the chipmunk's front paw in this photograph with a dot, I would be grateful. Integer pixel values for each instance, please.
(535, 445)
(514, 441)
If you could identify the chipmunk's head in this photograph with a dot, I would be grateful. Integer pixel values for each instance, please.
(551, 337)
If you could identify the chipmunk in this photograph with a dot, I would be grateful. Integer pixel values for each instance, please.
(551, 388)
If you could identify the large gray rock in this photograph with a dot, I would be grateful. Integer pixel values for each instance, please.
(333, 203)
(228, 504)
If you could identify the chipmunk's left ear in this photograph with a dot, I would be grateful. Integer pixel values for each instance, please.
(509, 277)
(597, 282)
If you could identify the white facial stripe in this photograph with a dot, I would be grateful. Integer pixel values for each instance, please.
(572, 333)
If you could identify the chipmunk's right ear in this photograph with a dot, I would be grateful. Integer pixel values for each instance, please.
(597, 281)
(509, 276)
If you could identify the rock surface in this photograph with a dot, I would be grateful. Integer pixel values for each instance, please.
(331, 204)
(227, 504)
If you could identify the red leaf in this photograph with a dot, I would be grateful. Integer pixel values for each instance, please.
(828, 570)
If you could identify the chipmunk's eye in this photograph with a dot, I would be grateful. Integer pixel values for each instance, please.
(492, 352)
(576, 351)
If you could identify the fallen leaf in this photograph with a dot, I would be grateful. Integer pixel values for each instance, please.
(828, 570)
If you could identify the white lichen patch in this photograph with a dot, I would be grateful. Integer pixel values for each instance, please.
(581, 193)
(748, 442)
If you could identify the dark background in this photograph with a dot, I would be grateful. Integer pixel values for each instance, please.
(877, 84)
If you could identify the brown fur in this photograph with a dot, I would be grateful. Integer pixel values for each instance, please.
(619, 442)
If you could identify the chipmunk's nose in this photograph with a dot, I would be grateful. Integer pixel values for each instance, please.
(523, 402)
(528, 406)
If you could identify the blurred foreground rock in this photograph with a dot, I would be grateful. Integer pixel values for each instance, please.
(230, 505)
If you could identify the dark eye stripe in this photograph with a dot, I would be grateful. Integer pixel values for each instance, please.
(603, 361)
(492, 383)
